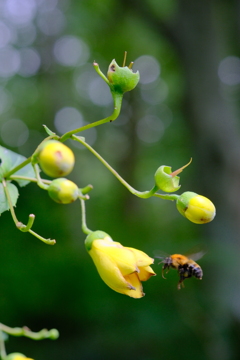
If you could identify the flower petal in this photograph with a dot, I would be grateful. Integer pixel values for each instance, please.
(122, 257)
(133, 279)
(142, 259)
(145, 273)
(109, 272)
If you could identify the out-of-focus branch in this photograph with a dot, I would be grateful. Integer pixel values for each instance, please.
(147, 13)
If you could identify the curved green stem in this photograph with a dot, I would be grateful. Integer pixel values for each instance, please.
(117, 107)
(85, 229)
(100, 73)
(25, 331)
(21, 226)
(46, 241)
(171, 197)
(9, 202)
(143, 194)
(39, 180)
(26, 228)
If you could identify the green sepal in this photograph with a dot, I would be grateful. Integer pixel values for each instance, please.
(183, 201)
(48, 131)
(13, 193)
(9, 160)
(122, 79)
(165, 181)
(95, 235)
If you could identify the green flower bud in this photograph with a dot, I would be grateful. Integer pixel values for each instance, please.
(63, 191)
(196, 208)
(55, 158)
(122, 78)
(165, 181)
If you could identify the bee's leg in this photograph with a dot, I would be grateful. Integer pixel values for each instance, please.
(163, 273)
(180, 283)
(164, 268)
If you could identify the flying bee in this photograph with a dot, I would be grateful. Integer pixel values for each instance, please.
(185, 265)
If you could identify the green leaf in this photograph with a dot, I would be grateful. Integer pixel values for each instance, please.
(9, 160)
(13, 192)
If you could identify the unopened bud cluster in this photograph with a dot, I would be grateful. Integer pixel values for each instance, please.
(56, 160)
(196, 208)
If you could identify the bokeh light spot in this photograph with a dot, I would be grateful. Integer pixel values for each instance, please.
(148, 67)
(52, 22)
(47, 5)
(150, 129)
(71, 51)
(20, 11)
(9, 61)
(30, 62)
(26, 35)
(5, 34)
(154, 93)
(99, 92)
(14, 132)
(229, 70)
(67, 119)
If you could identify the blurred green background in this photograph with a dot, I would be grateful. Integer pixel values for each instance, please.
(186, 105)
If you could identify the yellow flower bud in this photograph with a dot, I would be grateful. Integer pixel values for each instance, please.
(56, 159)
(196, 208)
(121, 268)
(17, 356)
(63, 191)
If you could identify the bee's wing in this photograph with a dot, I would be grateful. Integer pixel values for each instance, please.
(160, 254)
(196, 253)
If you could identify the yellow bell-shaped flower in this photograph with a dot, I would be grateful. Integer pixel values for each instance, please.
(121, 268)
